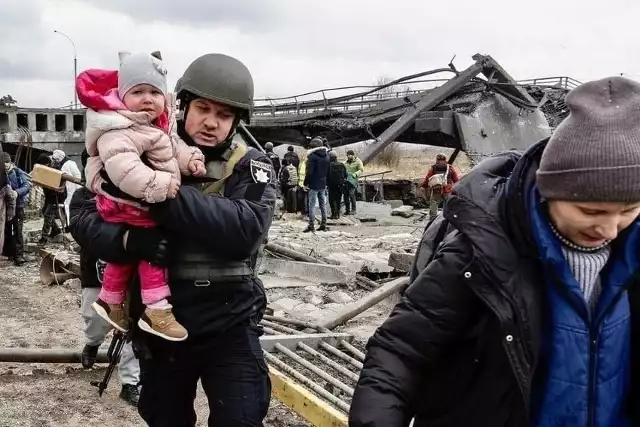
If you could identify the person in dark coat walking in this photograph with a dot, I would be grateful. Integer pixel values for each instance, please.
(527, 311)
(315, 179)
(336, 183)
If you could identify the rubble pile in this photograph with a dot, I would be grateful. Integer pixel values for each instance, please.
(352, 259)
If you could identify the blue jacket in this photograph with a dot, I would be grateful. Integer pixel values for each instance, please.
(19, 182)
(587, 374)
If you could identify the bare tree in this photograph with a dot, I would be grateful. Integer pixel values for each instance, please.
(387, 91)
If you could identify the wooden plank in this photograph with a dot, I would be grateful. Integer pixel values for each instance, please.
(306, 404)
(401, 261)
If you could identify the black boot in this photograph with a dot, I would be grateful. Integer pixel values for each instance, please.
(89, 354)
(309, 229)
(323, 227)
(130, 394)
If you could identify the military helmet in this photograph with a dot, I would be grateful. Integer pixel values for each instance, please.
(219, 78)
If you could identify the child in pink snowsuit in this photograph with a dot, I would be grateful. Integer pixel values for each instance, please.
(127, 136)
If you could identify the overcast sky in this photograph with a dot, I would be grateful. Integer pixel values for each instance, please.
(293, 46)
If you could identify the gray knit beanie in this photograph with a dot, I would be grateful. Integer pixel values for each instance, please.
(141, 68)
(594, 155)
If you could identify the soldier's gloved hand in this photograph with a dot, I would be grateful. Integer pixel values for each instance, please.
(148, 244)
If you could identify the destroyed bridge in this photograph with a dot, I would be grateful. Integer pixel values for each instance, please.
(480, 110)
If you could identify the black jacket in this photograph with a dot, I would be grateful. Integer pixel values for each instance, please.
(461, 347)
(82, 213)
(230, 228)
(337, 174)
(275, 161)
(293, 158)
(317, 170)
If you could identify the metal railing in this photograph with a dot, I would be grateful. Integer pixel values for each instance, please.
(563, 82)
(300, 104)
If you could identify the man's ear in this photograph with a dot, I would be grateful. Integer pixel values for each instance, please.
(122, 55)
(157, 54)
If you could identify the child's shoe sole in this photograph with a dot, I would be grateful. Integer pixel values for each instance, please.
(147, 328)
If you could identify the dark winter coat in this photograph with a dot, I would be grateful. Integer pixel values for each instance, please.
(221, 230)
(317, 171)
(275, 162)
(293, 158)
(337, 174)
(82, 203)
(464, 343)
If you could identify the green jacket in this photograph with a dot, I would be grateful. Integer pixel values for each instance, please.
(354, 170)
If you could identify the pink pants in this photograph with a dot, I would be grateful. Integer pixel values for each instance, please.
(153, 279)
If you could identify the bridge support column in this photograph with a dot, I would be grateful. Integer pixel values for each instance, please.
(31, 118)
(69, 122)
(13, 121)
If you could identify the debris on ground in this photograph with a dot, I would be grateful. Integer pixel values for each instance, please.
(313, 277)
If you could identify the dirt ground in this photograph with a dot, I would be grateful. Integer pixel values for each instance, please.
(46, 395)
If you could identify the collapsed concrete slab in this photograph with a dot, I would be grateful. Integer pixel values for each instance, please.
(325, 273)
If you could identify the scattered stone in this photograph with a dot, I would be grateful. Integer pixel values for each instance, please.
(401, 261)
(394, 203)
(405, 211)
(339, 297)
(286, 304)
(315, 290)
(315, 300)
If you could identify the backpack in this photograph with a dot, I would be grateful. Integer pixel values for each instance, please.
(293, 176)
(439, 180)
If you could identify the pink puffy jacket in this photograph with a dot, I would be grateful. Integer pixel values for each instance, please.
(115, 140)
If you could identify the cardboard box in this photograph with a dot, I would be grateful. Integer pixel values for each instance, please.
(47, 177)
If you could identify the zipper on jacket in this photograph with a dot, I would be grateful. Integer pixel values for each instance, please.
(594, 335)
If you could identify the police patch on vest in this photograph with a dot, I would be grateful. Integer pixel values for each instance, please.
(260, 172)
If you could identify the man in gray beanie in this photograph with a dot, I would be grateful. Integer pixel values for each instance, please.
(523, 306)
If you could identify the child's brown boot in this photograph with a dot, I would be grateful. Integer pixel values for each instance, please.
(112, 313)
(161, 322)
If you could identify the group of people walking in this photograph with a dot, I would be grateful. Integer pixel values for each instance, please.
(320, 179)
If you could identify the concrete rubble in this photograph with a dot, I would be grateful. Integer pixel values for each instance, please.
(319, 291)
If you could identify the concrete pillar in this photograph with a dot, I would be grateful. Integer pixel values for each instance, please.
(69, 122)
(31, 117)
(51, 122)
(13, 121)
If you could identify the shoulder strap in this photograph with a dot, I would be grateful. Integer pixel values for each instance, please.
(235, 157)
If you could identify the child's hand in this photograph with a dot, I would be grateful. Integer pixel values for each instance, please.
(196, 167)
(174, 186)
